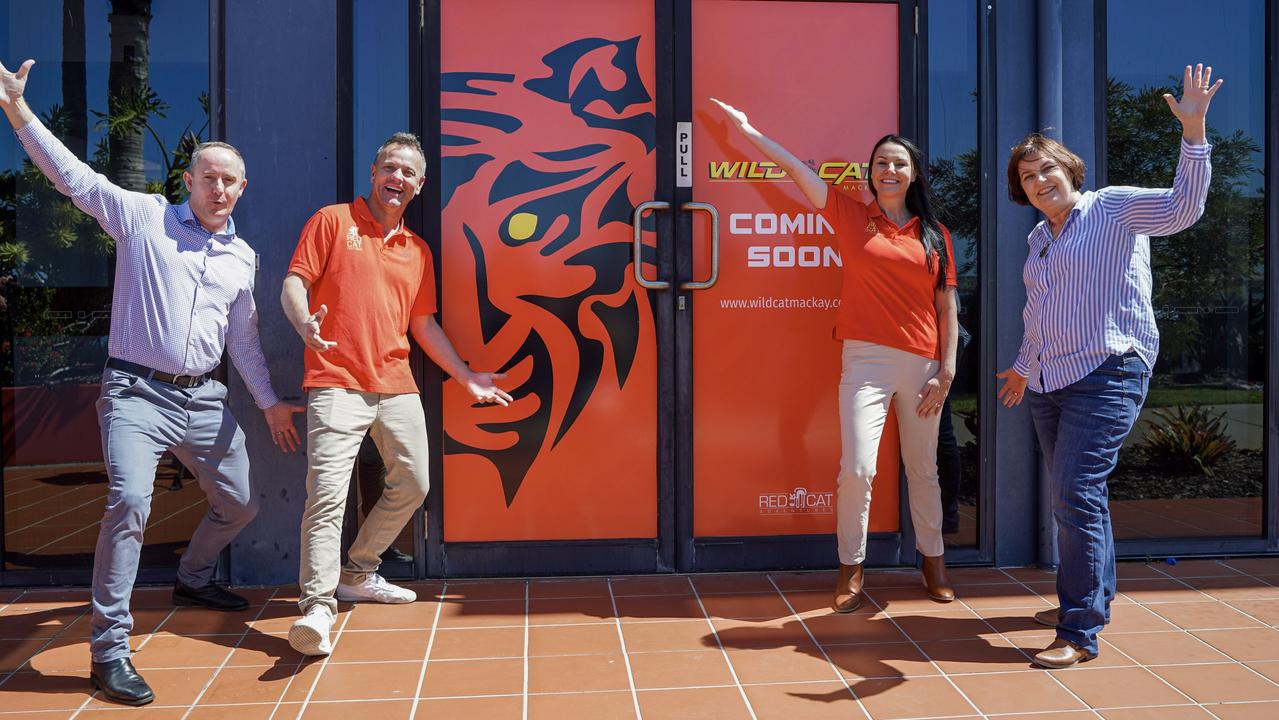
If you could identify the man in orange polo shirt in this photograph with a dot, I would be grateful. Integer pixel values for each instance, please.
(370, 281)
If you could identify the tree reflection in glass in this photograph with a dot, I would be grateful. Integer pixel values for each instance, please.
(124, 86)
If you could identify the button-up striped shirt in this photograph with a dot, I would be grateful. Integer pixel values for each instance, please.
(181, 293)
(1088, 290)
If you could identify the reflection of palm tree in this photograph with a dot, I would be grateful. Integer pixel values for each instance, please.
(128, 85)
(74, 79)
(48, 225)
(956, 183)
(52, 253)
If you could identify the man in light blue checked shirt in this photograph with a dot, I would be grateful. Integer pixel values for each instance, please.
(183, 288)
(1090, 343)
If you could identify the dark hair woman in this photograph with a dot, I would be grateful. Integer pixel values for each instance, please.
(1090, 343)
(897, 322)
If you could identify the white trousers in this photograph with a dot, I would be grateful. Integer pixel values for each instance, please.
(874, 376)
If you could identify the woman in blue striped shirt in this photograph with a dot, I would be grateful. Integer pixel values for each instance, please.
(1090, 342)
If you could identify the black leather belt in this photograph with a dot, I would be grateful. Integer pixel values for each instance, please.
(182, 381)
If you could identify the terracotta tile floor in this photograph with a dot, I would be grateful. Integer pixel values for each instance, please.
(1199, 639)
(52, 514)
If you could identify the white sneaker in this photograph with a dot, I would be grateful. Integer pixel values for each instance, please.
(375, 588)
(310, 634)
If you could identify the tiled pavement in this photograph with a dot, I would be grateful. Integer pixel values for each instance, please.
(1192, 640)
(1187, 517)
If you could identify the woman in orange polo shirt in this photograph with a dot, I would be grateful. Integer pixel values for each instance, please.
(897, 322)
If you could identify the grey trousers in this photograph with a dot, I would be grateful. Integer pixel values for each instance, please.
(139, 420)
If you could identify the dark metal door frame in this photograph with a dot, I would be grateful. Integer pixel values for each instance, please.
(551, 557)
(763, 552)
(675, 548)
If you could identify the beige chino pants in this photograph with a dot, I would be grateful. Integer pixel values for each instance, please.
(337, 420)
(874, 376)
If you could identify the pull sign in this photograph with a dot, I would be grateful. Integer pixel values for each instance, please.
(684, 154)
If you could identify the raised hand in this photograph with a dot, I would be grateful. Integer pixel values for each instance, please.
(483, 389)
(1196, 94)
(310, 331)
(737, 117)
(813, 187)
(13, 84)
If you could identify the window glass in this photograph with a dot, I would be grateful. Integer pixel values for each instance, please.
(125, 86)
(380, 107)
(953, 161)
(1193, 467)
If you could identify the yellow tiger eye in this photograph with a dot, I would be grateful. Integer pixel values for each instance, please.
(522, 226)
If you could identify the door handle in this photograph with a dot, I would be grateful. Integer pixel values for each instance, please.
(714, 278)
(636, 217)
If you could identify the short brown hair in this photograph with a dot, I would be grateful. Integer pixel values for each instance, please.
(402, 139)
(1039, 144)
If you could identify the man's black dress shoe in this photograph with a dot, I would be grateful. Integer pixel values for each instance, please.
(211, 596)
(120, 682)
(394, 554)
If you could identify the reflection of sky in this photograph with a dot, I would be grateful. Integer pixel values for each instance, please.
(952, 78)
(1150, 40)
(179, 68)
(952, 82)
(381, 93)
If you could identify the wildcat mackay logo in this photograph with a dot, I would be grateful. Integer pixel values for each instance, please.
(536, 180)
(797, 502)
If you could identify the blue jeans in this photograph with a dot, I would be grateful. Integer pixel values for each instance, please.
(1081, 428)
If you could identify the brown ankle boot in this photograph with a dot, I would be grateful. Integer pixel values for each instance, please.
(935, 582)
(848, 588)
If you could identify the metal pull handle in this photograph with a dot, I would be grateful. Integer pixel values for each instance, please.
(636, 217)
(714, 278)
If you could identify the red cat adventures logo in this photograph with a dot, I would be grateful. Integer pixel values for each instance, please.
(797, 502)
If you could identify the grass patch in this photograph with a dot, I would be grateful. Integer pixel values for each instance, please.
(1158, 397)
(966, 403)
(1201, 395)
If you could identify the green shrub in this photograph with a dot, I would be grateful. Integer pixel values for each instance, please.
(1187, 437)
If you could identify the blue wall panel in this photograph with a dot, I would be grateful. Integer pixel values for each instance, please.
(1015, 463)
(281, 112)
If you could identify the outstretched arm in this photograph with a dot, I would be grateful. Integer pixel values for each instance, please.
(117, 210)
(1170, 210)
(245, 348)
(12, 87)
(293, 300)
(431, 337)
(814, 187)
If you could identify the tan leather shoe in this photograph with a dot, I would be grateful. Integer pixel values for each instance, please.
(935, 581)
(1049, 617)
(848, 589)
(1061, 654)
